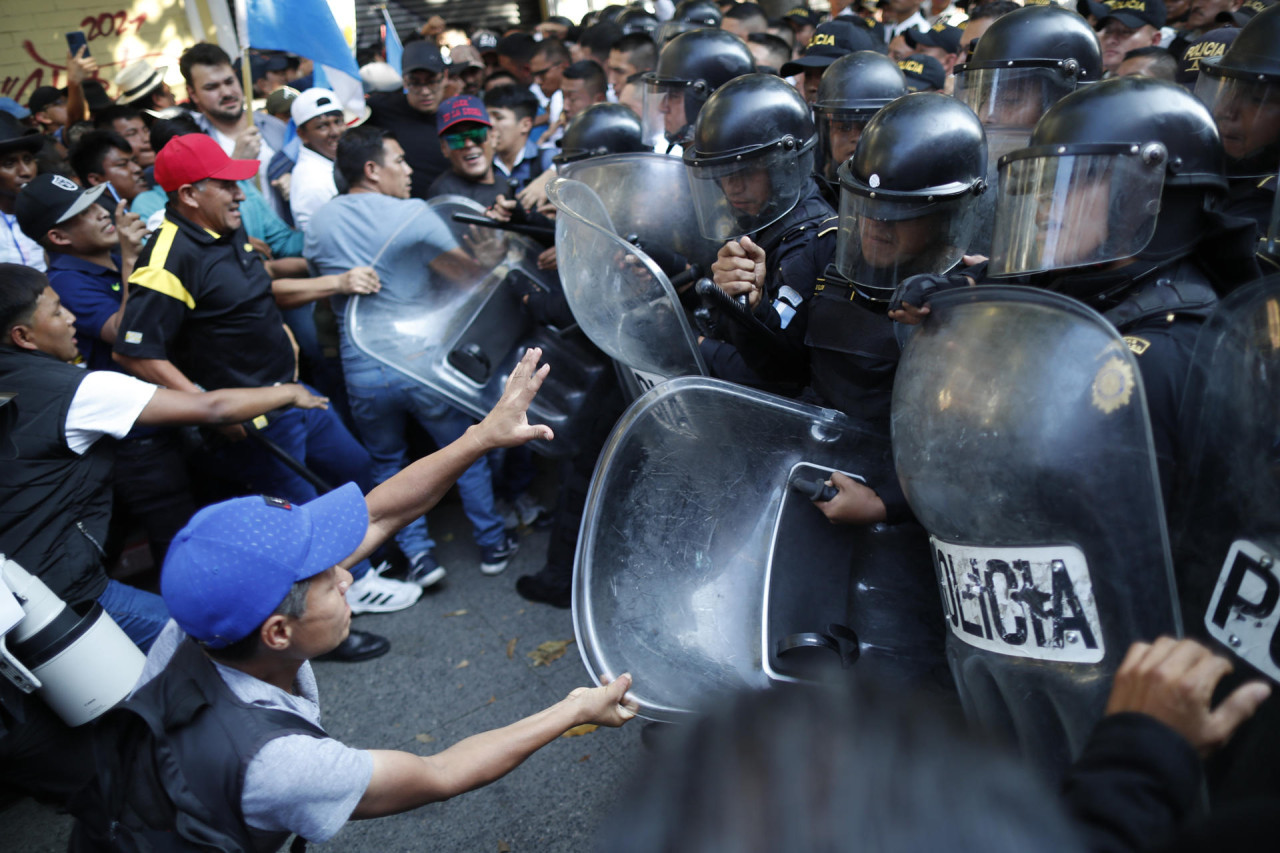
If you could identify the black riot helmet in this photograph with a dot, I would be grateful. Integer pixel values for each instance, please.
(1024, 63)
(637, 21)
(1120, 169)
(853, 89)
(598, 130)
(908, 195)
(751, 156)
(1242, 91)
(690, 68)
(689, 15)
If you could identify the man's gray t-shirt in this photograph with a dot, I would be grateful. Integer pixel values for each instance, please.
(398, 237)
(296, 783)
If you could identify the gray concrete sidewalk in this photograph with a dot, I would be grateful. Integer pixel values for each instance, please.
(458, 664)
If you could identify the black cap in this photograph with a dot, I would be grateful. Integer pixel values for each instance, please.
(1206, 47)
(829, 42)
(923, 72)
(1131, 13)
(16, 136)
(421, 55)
(802, 16)
(44, 96)
(50, 199)
(939, 35)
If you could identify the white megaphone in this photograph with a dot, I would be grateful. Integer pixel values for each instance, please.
(80, 665)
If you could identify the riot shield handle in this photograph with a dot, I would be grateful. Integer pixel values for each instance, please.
(837, 638)
(814, 490)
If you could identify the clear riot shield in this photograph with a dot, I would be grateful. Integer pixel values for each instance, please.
(649, 196)
(1022, 442)
(462, 339)
(1226, 517)
(699, 569)
(619, 297)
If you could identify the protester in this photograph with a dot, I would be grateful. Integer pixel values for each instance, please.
(247, 625)
(464, 127)
(516, 155)
(411, 115)
(104, 157)
(205, 315)
(18, 148)
(215, 92)
(633, 54)
(128, 123)
(317, 114)
(374, 223)
(142, 86)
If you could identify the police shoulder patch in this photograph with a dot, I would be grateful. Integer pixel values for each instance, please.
(1136, 345)
(1113, 385)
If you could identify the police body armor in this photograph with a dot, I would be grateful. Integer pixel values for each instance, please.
(622, 301)
(1023, 445)
(1226, 518)
(463, 340)
(700, 569)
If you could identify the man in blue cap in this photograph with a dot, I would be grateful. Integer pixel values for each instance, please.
(256, 589)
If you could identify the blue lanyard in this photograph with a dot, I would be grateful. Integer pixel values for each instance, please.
(14, 237)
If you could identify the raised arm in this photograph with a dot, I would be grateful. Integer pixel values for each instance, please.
(420, 486)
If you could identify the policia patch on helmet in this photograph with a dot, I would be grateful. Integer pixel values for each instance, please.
(1032, 602)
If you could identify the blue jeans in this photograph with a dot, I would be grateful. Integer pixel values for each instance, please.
(315, 437)
(381, 400)
(141, 615)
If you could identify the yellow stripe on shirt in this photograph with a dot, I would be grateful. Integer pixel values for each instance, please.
(154, 276)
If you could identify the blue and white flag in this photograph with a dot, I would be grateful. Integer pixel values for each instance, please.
(307, 28)
(394, 49)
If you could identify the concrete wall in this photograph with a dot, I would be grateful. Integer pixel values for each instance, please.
(33, 46)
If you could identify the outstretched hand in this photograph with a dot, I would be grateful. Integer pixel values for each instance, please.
(507, 424)
(607, 705)
(1173, 681)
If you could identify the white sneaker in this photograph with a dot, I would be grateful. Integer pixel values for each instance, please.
(375, 594)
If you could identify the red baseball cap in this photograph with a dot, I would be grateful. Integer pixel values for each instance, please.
(195, 157)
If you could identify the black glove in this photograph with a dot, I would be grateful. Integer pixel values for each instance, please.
(919, 289)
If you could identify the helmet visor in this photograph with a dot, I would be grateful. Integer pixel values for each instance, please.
(1072, 210)
(1011, 97)
(838, 135)
(666, 112)
(883, 240)
(1247, 113)
(736, 196)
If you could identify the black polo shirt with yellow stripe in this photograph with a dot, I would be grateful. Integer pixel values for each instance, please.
(203, 301)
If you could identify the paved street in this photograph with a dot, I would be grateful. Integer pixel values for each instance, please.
(458, 664)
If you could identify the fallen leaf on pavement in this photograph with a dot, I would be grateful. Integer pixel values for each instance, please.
(551, 650)
(456, 613)
(579, 731)
(504, 847)
(424, 738)
(511, 647)
(584, 758)
(464, 663)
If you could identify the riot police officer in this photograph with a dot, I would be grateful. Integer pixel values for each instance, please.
(750, 165)
(852, 89)
(908, 205)
(1024, 63)
(689, 15)
(1110, 204)
(1242, 90)
(690, 67)
(598, 130)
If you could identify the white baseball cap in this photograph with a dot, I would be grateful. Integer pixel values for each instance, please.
(312, 103)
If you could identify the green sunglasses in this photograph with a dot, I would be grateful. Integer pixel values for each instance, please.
(458, 141)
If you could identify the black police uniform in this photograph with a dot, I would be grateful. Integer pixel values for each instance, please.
(793, 265)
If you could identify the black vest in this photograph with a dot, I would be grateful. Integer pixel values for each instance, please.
(55, 505)
(171, 761)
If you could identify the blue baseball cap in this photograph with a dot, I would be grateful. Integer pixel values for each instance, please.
(14, 108)
(233, 564)
(461, 108)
